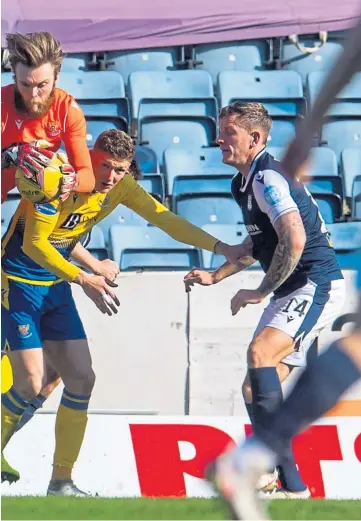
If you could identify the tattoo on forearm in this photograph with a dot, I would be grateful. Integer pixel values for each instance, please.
(285, 257)
(227, 269)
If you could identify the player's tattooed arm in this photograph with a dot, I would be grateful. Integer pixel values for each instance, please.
(291, 242)
(245, 260)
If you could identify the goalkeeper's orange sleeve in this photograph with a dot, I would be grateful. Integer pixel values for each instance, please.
(77, 148)
(38, 228)
(137, 199)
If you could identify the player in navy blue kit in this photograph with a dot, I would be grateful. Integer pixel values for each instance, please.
(289, 238)
(325, 379)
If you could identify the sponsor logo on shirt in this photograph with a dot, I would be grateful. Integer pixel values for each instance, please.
(253, 229)
(45, 208)
(272, 194)
(52, 129)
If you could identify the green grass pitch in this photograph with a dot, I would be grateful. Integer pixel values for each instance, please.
(147, 508)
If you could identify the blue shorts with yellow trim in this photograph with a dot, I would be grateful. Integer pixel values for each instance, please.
(32, 313)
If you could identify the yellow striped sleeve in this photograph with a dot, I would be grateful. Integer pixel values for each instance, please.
(137, 199)
(41, 221)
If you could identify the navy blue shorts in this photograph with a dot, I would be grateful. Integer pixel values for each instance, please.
(32, 313)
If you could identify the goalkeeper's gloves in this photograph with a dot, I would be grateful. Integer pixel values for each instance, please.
(32, 158)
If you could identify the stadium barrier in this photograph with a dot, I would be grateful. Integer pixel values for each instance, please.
(168, 352)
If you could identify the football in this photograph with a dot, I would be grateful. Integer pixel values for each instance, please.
(42, 187)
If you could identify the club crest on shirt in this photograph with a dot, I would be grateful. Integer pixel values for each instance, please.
(24, 331)
(52, 129)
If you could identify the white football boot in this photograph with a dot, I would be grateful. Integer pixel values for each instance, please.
(65, 488)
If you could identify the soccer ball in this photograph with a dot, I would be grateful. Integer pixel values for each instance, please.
(43, 187)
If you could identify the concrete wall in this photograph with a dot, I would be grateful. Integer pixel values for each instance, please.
(167, 352)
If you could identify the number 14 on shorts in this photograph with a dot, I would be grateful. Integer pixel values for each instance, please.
(295, 307)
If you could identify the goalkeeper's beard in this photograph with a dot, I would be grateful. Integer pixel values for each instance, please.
(33, 110)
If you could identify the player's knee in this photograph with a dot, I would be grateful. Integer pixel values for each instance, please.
(82, 382)
(258, 355)
(89, 381)
(29, 387)
(247, 391)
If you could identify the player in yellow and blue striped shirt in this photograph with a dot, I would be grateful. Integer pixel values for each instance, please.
(37, 306)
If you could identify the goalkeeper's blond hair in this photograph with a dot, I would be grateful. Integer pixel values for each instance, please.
(34, 50)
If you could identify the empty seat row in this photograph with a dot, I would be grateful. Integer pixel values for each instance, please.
(305, 54)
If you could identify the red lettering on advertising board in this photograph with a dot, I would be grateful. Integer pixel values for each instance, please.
(358, 447)
(160, 468)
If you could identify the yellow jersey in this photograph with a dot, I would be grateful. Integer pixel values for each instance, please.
(41, 237)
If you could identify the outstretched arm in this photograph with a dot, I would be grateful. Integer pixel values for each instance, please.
(208, 278)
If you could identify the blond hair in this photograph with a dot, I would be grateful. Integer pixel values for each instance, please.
(250, 115)
(34, 50)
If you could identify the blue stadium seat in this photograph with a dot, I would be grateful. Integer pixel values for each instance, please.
(350, 167)
(280, 91)
(3, 230)
(304, 63)
(323, 160)
(154, 184)
(147, 159)
(348, 101)
(129, 61)
(356, 197)
(206, 160)
(136, 247)
(172, 93)
(282, 132)
(96, 244)
(96, 125)
(182, 132)
(6, 78)
(229, 233)
(77, 61)
(201, 209)
(209, 184)
(330, 206)
(8, 209)
(346, 239)
(340, 133)
(232, 56)
(325, 184)
(99, 93)
(121, 215)
(342, 128)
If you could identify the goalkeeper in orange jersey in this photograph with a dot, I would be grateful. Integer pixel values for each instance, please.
(34, 110)
(38, 310)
